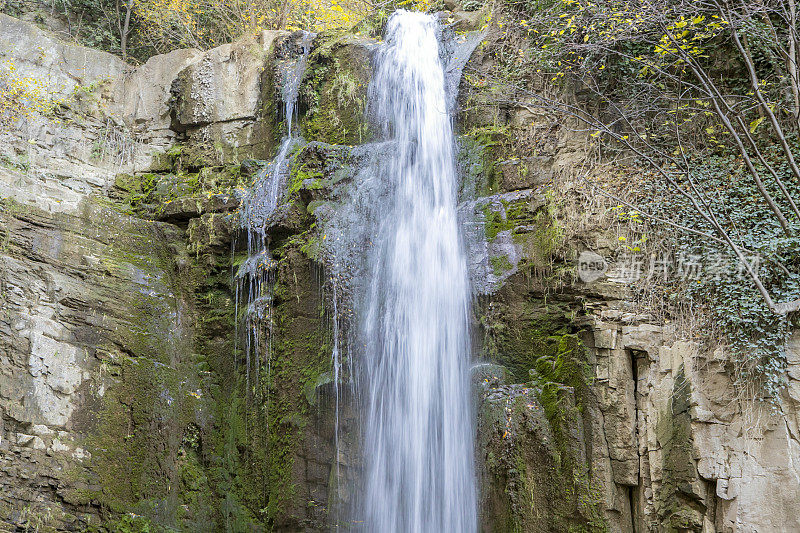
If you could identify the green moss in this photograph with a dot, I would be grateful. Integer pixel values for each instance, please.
(533, 226)
(477, 162)
(168, 363)
(301, 361)
(153, 379)
(314, 167)
(135, 190)
(133, 523)
(507, 215)
(562, 376)
(500, 265)
(133, 443)
(535, 340)
(312, 247)
(562, 364)
(131, 461)
(301, 173)
(169, 160)
(263, 419)
(149, 193)
(481, 147)
(517, 342)
(335, 92)
(209, 233)
(494, 222)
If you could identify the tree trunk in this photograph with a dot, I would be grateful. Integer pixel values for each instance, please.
(126, 27)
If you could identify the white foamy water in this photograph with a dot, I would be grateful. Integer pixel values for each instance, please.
(418, 445)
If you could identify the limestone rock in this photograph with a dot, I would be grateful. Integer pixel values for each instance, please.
(63, 67)
(222, 84)
(145, 92)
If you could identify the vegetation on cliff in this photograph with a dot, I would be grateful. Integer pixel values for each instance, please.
(700, 98)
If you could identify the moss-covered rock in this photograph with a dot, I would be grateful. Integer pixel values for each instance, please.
(535, 476)
(540, 429)
(334, 92)
(301, 355)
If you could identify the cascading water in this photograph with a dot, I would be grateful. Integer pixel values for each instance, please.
(254, 276)
(418, 443)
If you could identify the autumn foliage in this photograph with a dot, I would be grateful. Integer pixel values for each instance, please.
(167, 24)
(21, 96)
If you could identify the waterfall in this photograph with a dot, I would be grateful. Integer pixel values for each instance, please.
(418, 436)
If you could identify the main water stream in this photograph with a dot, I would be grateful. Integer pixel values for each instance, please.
(418, 444)
(398, 228)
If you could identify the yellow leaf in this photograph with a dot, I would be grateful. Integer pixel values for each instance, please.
(755, 124)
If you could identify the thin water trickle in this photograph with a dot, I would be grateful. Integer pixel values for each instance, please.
(418, 444)
(254, 277)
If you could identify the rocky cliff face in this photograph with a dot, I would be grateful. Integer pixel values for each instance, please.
(120, 385)
(638, 421)
(124, 400)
